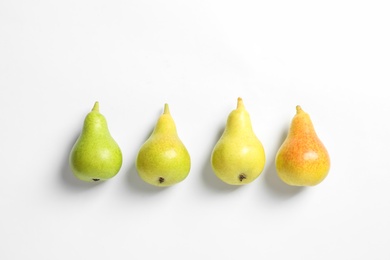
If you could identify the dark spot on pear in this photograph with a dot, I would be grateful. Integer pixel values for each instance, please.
(96, 179)
(242, 176)
(161, 180)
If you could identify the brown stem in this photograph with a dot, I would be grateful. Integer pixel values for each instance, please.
(242, 176)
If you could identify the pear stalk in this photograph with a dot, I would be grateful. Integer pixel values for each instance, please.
(240, 103)
(95, 107)
(166, 109)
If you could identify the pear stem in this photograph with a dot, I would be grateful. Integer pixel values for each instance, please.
(240, 103)
(299, 109)
(242, 177)
(161, 180)
(96, 107)
(166, 109)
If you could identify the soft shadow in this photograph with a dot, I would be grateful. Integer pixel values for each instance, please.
(209, 178)
(67, 179)
(136, 184)
(275, 185)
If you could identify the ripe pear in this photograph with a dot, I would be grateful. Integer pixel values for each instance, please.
(238, 157)
(163, 160)
(302, 159)
(95, 156)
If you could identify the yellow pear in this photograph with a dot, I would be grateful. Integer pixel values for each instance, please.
(238, 157)
(302, 160)
(163, 160)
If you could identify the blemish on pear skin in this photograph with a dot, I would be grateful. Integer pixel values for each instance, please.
(242, 177)
(96, 179)
(161, 180)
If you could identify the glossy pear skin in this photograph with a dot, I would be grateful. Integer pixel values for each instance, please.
(302, 160)
(95, 156)
(238, 157)
(163, 160)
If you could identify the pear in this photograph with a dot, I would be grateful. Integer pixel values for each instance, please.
(95, 156)
(302, 159)
(163, 160)
(238, 157)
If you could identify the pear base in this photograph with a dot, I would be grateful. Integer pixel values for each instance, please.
(242, 177)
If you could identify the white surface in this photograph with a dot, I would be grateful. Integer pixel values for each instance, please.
(58, 57)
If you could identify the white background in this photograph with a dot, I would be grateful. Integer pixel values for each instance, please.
(58, 57)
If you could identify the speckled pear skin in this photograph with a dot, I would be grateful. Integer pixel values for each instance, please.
(163, 160)
(302, 160)
(95, 156)
(238, 157)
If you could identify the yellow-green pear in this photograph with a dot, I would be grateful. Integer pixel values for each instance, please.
(163, 160)
(95, 156)
(238, 157)
(302, 159)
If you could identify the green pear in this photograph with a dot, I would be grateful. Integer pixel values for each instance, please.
(238, 157)
(163, 160)
(95, 156)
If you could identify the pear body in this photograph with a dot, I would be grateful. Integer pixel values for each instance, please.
(163, 160)
(95, 156)
(302, 159)
(238, 157)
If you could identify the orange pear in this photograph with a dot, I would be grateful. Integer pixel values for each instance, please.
(302, 160)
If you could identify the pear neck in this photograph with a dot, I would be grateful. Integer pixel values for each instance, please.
(239, 123)
(165, 125)
(301, 124)
(95, 124)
